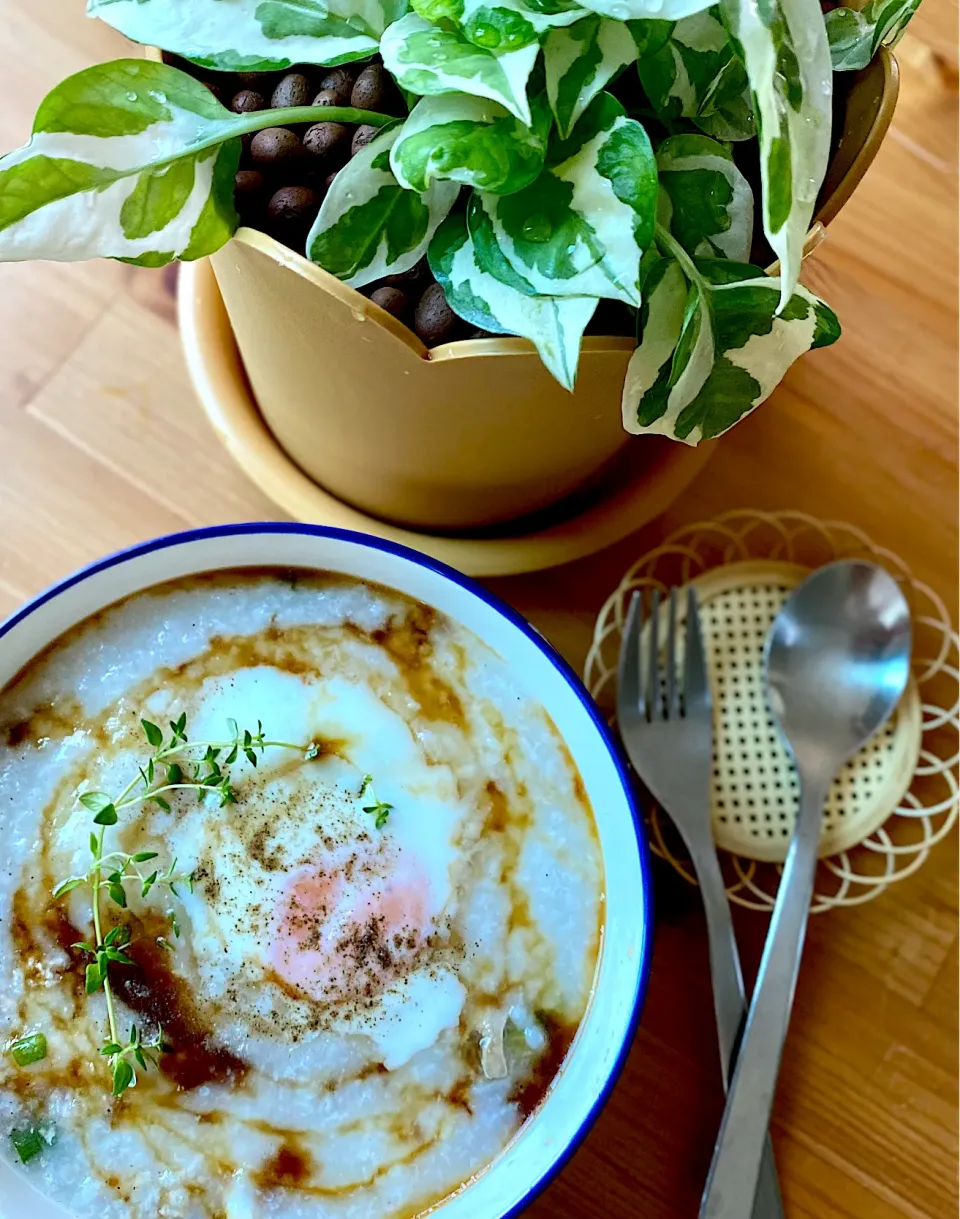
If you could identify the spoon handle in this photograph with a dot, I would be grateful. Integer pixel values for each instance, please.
(732, 1180)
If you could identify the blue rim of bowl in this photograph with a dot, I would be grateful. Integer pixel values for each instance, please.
(166, 541)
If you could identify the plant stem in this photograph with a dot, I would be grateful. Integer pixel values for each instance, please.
(107, 989)
(290, 115)
(667, 240)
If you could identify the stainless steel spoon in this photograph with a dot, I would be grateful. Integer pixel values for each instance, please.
(835, 665)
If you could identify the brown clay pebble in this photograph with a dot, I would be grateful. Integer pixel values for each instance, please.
(247, 101)
(328, 181)
(362, 137)
(293, 205)
(371, 89)
(434, 320)
(249, 182)
(391, 299)
(339, 82)
(274, 145)
(327, 139)
(293, 90)
(326, 97)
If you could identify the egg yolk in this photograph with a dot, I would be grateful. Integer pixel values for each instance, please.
(348, 928)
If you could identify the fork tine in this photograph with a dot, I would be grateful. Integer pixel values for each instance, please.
(654, 709)
(696, 687)
(673, 705)
(629, 688)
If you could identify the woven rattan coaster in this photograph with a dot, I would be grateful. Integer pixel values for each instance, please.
(890, 804)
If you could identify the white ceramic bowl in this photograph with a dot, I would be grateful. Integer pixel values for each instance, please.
(542, 1146)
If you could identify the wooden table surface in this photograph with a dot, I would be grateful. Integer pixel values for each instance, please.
(102, 444)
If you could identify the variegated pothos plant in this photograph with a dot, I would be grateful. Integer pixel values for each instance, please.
(532, 189)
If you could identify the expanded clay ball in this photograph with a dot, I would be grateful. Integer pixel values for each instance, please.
(391, 299)
(249, 182)
(294, 90)
(434, 320)
(372, 88)
(362, 137)
(293, 206)
(339, 82)
(247, 101)
(326, 97)
(328, 140)
(275, 146)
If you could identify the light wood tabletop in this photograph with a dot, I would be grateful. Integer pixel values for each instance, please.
(102, 444)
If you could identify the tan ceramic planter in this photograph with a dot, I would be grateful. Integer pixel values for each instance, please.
(472, 433)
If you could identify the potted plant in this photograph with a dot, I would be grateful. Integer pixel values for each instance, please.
(419, 182)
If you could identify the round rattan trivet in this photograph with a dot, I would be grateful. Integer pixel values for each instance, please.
(890, 804)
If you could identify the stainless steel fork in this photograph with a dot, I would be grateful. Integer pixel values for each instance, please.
(668, 733)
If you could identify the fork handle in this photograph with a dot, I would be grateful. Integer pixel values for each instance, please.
(729, 1003)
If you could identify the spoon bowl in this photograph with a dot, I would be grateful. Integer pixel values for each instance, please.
(836, 662)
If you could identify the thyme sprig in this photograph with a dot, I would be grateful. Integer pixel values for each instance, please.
(172, 766)
(379, 810)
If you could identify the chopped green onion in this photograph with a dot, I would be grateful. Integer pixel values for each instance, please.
(29, 1049)
(28, 1143)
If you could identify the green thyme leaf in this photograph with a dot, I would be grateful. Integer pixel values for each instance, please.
(117, 893)
(95, 801)
(152, 733)
(93, 978)
(28, 1144)
(123, 1076)
(28, 1050)
(67, 886)
(106, 816)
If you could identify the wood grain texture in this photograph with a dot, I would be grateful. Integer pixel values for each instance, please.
(102, 445)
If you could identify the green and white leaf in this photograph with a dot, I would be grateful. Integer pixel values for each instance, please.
(555, 325)
(580, 60)
(131, 160)
(369, 225)
(697, 74)
(855, 37)
(499, 25)
(582, 227)
(254, 35)
(705, 201)
(659, 10)
(784, 46)
(430, 60)
(713, 347)
(470, 140)
(650, 34)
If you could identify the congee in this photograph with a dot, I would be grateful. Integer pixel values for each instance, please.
(301, 901)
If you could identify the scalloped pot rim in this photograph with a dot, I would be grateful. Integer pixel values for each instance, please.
(545, 1142)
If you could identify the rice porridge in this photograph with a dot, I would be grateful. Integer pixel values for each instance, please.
(325, 965)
